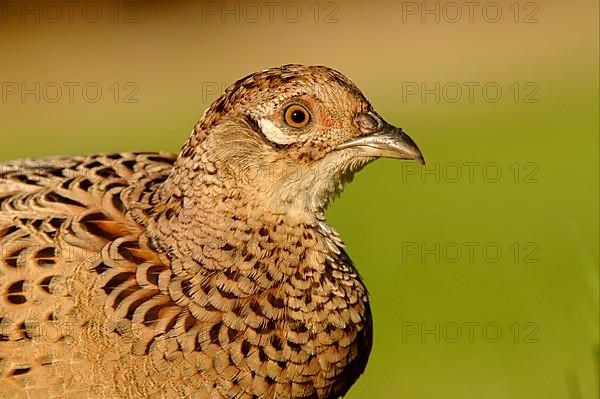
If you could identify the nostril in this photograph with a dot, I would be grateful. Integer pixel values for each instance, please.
(368, 122)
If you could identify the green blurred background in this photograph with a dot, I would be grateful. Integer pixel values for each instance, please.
(520, 324)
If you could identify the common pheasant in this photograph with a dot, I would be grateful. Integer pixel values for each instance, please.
(212, 274)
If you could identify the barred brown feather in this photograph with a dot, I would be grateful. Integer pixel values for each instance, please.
(209, 275)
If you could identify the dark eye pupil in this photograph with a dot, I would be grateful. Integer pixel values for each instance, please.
(298, 116)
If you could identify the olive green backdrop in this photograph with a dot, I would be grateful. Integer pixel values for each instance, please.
(482, 266)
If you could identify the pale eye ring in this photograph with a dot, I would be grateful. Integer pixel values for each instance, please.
(296, 116)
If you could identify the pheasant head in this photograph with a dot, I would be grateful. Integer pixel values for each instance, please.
(290, 137)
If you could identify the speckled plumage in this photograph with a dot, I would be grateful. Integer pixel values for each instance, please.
(209, 275)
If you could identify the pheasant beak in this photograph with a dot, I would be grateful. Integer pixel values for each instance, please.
(382, 140)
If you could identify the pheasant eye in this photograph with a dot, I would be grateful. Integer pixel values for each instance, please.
(296, 116)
